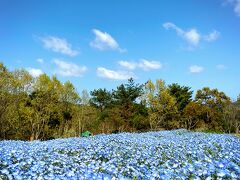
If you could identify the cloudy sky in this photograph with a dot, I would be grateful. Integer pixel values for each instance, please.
(103, 43)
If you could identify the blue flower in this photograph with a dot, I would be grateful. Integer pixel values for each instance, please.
(151, 155)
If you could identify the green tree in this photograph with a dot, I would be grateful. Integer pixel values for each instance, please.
(162, 107)
(101, 98)
(82, 114)
(51, 107)
(21, 88)
(231, 118)
(125, 97)
(14, 87)
(42, 105)
(5, 100)
(69, 98)
(182, 94)
(193, 115)
(215, 102)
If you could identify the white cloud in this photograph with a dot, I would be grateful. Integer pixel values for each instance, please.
(104, 41)
(59, 45)
(214, 35)
(69, 69)
(114, 75)
(235, 4)
(196, 69)
(192, 36)
(40, 60)
(142, 64)
(149, 65)
(128, 64)
(35, 72)
(221, 67)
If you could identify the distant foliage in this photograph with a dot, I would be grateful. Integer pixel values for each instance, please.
(45, 108)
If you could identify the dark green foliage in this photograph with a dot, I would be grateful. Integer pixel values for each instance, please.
(182, 94)
(125, 97)
(120, 109)
(101, 98)
(127, 93)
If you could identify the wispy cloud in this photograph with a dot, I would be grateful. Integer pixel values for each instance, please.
(143, 64)
(169, 25)
(235, 4)
(196, 69)
(212, 36)
(59, 45)
(114, 75)
(104, 41)
(192, 36)
(40, 60)
(35, 72)
(69, 69)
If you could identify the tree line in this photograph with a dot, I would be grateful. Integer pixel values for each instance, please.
(45, 108)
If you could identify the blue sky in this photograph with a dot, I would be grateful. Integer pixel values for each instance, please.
(102, 43)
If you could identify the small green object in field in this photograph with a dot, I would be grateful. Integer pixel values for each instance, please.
(86, 134)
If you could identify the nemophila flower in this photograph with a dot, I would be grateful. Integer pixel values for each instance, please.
(152, 155)
(222, 173)
(5, 171)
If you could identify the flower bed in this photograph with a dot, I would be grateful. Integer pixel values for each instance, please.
(152, 155)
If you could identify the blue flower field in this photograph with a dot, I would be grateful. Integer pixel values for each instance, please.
(178, 154)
